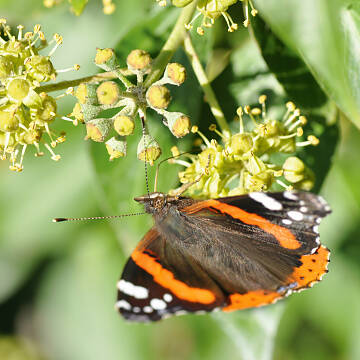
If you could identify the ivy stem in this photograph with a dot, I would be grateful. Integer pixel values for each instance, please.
(206, 86)
(175, 39)
(62, 85)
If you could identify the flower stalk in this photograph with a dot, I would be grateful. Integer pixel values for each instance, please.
(206, 86)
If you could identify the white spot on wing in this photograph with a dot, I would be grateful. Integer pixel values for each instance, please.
(167, 297)
(130, 289)
(158, 304)
(296, 215)
(286, 221)
(318, 220)
(268, 201)
(290, 195)
(123, 304)
(313, 251)
(316, 229)
(136, 309)
(304, 209)
(148, 309)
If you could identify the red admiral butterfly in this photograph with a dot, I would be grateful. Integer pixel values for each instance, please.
(230, 253)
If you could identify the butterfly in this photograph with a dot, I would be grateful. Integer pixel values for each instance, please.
(223, 254)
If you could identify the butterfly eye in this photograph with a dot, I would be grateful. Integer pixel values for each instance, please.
(159, 202)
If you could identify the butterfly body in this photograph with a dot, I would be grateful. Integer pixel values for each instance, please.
(230, 253)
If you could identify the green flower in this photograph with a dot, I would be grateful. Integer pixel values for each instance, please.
(25, 113)
(244, 161)
(93, 98)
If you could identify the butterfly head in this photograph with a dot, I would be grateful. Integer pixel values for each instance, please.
(154, 202)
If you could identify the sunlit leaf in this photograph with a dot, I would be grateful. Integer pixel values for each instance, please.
(326, 35)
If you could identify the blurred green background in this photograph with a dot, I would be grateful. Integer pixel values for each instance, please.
(57, 281)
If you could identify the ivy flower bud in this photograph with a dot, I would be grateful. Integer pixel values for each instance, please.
(89, 111)
(239, 144)
(207, 158)
(138, 60)
(178, 123)
(293, 169)
(9, 121)
(255, 165)
(108, 93)
(214, 8)
(6, 67)
(31, 136)
(158, 96)
(149, 146)
(116, 147)
(175, 73)
(308, 182)
(98, 129)
(181, 3)
(47, 111)
(124, 124)
(106, 59)
(18, 89)
(259, 182)
(77, 113)
(86, 93)
(40, 68)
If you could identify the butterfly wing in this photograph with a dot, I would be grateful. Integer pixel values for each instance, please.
(266, 245)
(234, 253)
(159, 280)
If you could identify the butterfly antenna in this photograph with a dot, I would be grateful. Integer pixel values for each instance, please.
(162, 161)
(184, 187)
(96, 217)
(146, 168)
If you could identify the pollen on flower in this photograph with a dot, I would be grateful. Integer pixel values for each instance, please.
(26, 114)
(175, 151)
(210, 10)
(253, 11)
(161, 3)
(108, 7)
(247, 161)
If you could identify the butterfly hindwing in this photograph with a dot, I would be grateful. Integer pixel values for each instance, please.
(159, 281)
(275, 238)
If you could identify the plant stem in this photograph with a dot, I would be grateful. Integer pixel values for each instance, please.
(205, 84)
(123, 78)
(72, 83)
(172, 44)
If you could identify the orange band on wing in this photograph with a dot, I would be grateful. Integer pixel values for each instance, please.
(313, 267)
(251, 299)
(166, 279)
(285, 237)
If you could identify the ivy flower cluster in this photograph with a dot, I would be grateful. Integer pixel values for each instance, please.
(210, 10)
(134, 100)
(26, 113)
(244, 161)
(108, 5)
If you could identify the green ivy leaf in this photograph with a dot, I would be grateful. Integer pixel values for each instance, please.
(77, 6)
(301, 87)
(326, 36)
